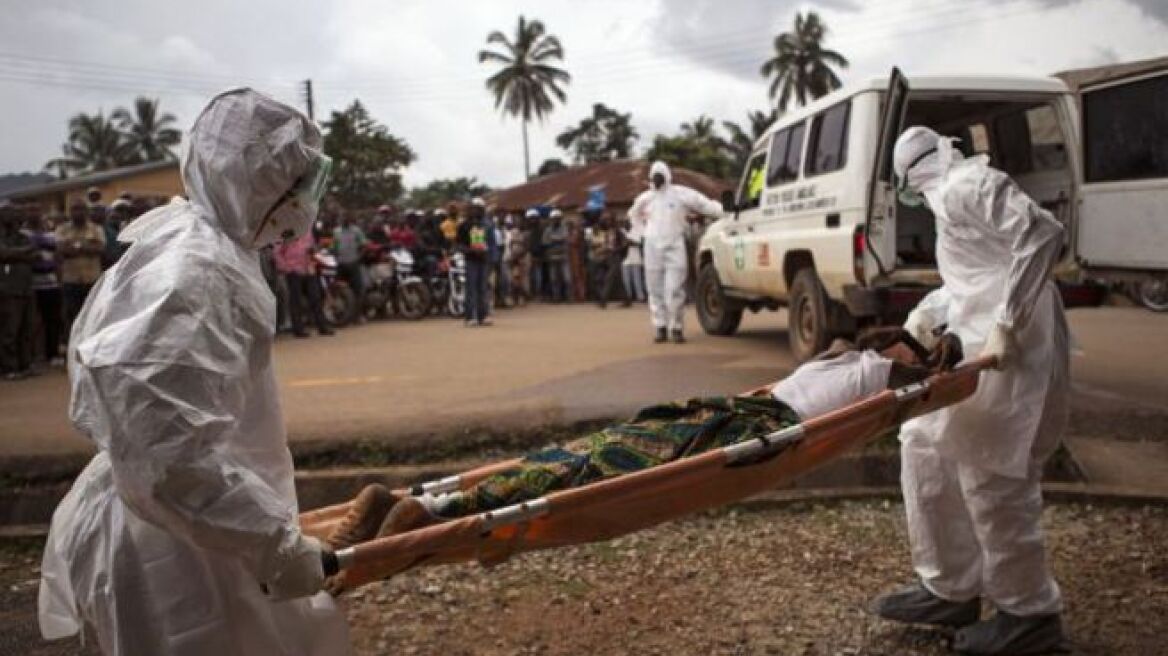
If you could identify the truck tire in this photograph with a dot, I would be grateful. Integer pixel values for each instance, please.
(808, 328)
(718, 314)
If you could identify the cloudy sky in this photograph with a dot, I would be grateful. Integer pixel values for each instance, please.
(414, 63)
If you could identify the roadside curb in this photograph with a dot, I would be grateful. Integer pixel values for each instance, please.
(1051, 491)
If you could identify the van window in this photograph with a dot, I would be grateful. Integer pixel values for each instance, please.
(750, 189)
(978, 141)
(827, 150)
(786, 149)
(1048, 151)
(1123, 131)
(1029, 141)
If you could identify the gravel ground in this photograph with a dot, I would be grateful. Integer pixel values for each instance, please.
(789, 580)
(783, 580)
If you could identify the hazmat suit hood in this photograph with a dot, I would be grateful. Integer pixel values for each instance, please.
(245, 152)
(924, 157)
(662, 168)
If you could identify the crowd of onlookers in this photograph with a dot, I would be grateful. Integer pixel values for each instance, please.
(48, 264)
(510, 259)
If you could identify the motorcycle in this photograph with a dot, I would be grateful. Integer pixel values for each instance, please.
(392, 284)
(438, 278)
(456, 283)
(338, 302)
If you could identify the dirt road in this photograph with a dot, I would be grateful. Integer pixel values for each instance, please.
(552, 364)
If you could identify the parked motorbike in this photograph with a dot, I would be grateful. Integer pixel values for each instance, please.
(438, 279)
(337, 299)
(456, 277)
(392, 286)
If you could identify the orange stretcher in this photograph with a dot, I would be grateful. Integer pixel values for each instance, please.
(617, 506)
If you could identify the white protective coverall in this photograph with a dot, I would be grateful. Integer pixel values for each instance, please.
(971, 473)
(163, 541)
(662, 213)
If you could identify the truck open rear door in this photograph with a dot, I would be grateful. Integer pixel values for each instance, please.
(1123, 209)
(880, 227)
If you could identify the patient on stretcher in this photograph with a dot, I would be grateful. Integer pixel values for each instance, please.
(845, 373)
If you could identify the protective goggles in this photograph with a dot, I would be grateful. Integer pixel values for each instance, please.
(294, 211)
(312, 185)
(909, 197)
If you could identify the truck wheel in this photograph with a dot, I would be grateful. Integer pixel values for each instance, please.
(717, 314)
(807, 316)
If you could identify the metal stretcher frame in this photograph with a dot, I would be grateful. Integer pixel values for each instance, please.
(638, 500)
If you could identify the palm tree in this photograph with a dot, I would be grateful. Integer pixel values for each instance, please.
(607, 134)
(802, 66)
(95, 144)
(147, 131)
(585, 141)
(522, 85)
(741, 142)
(700, 130)
(619, 133)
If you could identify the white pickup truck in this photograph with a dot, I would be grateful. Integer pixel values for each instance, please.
(815, 225)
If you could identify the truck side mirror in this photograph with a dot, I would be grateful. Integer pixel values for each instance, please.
(728, 201)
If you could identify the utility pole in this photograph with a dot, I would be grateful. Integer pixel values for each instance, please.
(308, 99)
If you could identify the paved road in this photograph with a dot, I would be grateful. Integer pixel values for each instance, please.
(542, 364)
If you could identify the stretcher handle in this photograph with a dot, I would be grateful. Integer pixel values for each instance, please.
(979, 364)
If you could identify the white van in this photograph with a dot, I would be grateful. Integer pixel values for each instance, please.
(816, 226)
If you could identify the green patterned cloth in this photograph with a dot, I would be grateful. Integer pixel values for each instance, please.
(656, 435)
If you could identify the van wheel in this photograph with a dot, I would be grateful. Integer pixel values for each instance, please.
(807, 316)
(717, 314)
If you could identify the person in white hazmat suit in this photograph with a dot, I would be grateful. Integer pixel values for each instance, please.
(971, 473)
(661, 211)
(180, 537)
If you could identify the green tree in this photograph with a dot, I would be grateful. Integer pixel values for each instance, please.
(94, 144)
(701, 129)
(550, 166)
(441, 191)
(149, 133)
(740, 145)
(801, 67)
(527, 81)
(605, 135)
(367, 159)
(698, 148)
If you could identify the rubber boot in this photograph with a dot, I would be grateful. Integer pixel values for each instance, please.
(915, 604)
(1013, 634)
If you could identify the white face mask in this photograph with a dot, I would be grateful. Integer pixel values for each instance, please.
(293, 214)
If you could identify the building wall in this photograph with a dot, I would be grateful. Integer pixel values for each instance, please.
(162, 183)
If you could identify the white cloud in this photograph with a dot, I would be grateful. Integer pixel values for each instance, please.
(414, 63)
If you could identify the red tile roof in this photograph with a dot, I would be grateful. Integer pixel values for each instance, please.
(622, 180)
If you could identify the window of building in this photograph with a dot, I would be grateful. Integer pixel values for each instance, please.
(827, 150)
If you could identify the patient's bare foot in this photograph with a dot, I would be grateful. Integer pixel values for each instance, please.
(409, 514)
(369, 509)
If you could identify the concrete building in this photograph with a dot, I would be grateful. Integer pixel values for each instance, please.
(153, 180)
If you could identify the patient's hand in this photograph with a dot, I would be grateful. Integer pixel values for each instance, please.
(946, 354)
